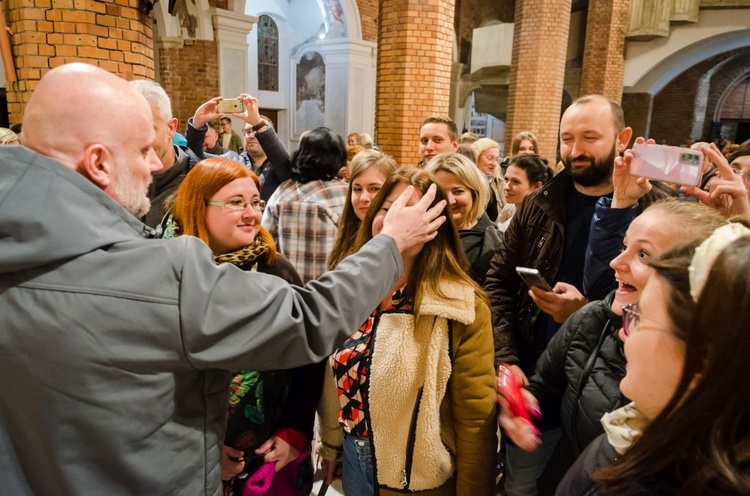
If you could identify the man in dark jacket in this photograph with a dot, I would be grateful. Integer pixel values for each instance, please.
(550, 233)
(176, 160)
(264, 153)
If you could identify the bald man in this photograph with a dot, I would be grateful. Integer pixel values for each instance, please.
(115, 350)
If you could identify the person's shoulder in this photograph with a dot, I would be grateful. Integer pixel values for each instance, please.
(282, 268)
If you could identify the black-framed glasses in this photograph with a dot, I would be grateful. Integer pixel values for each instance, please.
(631, 317)
(239, 204)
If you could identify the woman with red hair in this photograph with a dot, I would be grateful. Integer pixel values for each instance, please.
(271, 414)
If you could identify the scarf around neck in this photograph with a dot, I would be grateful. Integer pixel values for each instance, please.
(246, 256)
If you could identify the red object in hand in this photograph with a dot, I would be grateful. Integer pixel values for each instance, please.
(510, 387)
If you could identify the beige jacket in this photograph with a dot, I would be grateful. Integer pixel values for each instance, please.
(431, 402)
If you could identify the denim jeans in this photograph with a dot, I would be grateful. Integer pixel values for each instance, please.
(522, 469)
(357, 477)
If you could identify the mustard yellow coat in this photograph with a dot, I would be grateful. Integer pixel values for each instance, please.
(431, 401)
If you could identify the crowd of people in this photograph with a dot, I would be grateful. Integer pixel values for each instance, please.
(225, 316)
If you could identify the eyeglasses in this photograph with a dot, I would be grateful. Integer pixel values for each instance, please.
(239, 204)
(631, 317)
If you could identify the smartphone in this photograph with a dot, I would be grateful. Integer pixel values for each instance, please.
(230, 105)
(509, 386)
(532, 277)
(667, 163)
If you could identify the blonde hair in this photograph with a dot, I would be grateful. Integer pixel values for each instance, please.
(482, 145)
(468, 173)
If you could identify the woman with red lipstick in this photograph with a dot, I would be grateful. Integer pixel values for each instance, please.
(581, 369)
(271, 414)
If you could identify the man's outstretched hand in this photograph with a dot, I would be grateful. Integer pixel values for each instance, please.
(414, 225)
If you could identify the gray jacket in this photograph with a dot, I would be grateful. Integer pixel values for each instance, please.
(115, 349)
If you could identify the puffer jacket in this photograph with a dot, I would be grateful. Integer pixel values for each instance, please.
(535, 238)
(583, 363)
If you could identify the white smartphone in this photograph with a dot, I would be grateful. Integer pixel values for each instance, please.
(532, 277)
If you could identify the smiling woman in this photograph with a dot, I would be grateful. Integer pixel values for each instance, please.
(270, 413)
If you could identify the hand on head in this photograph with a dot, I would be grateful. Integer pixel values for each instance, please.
(414, 225)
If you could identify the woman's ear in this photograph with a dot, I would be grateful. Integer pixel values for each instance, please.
(538, 185)
(98, 165)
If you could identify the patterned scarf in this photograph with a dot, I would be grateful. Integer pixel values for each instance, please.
(244, 257)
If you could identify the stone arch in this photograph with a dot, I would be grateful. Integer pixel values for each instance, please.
(678, 61)
(728, 91)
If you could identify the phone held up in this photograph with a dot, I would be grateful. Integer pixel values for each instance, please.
(532, 277)
(667, 163)
(230, 106)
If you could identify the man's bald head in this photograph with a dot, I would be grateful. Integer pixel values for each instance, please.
(77, 104)
(98, 125)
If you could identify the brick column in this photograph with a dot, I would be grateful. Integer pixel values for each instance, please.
(604, 49)
(414, 71)
(111, 34)
(540, 40)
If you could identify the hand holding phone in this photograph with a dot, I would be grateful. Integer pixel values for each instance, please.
(509, 387)
(667, 163)
(532, 277)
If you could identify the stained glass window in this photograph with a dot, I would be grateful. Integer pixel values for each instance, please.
(268, 54)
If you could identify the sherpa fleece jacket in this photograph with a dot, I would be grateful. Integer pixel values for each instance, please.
(431, 397)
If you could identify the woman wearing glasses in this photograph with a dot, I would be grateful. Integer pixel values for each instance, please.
(271, 414)
(581, 368)
(687, 430)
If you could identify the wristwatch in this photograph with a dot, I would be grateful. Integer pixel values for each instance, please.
(259, 126)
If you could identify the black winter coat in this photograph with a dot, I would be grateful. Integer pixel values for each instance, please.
(535, 238)
(584, 362)
(480, 244)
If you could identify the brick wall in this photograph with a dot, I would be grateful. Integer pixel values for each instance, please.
(190, 76)
(637, 109)
(368, 16)
(111, 34)
(540, 40)
(673, 112)
(414, 71)
(725, 76)
(604, 48)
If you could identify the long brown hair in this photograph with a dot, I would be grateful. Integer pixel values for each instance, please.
(199, 185)
(700, 442)
(440, 259)
(349, 224)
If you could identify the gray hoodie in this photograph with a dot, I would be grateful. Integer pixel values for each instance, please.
(115, 349)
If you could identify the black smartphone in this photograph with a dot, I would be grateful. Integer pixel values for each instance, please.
(532, 277)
